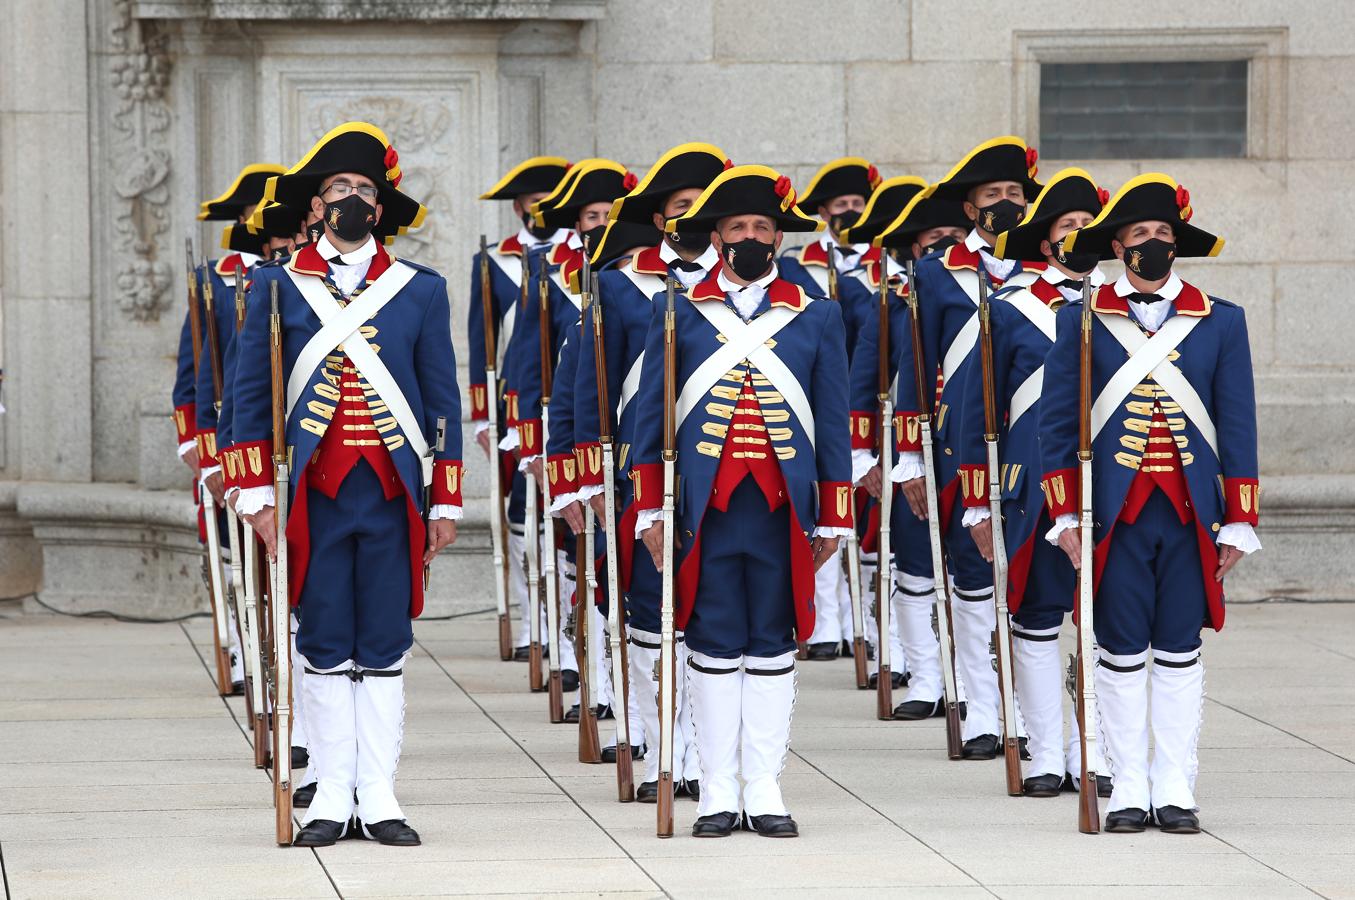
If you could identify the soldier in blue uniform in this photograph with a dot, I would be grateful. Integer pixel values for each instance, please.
(628, 293)
(994, 181)
(764, 471)
(1174, 485)
(364, 396)
(837, 194)
(1041, 583)
(523, 186)
(928, 225)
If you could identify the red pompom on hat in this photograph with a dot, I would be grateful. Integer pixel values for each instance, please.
(782, 186)
(873, 176)
(1032, 157)
(1183, 202)
(1103, 195)
(630, 181)
(729, 164)
(392, 163)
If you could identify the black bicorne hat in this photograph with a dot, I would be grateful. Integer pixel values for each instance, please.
(590, 181)
(277, 220)
(239, 238)
(924, 211)
(848, 175)
(352, 147)
(1000, 159)
(246, 191)
(1071, 190)
(693, 165)
(1146, 198)
(746, 190)
(883, 208)
(537, 175)
(621, 237)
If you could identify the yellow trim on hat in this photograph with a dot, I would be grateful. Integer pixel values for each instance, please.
(829, 168)
(565, 189)
(521, 167)
(903, 215)
(251, 169)
(1005, 140)
(345, 128)
(748, 171)
(1070, 240)
(896, 181)
(1000, 245)
(654, 170)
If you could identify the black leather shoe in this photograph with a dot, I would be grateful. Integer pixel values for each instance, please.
(572, 714)
(822, 651)
(1024, 744)
(900, 679)
(916, 710)
(1175, 820)
(1104, 786)
(302, 796)
(1127, 821)
(648, 792)
(392, 833)
(300, 758)
(1042, 786)
(604, 711)
(692, 788)
(719, 824)
(319, 833)
(772, 826)
(569, 680)
(522, 654)
(609, 754)
(845, 650)
(985, 746)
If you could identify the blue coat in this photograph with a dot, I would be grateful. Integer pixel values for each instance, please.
(220, 274)
(522, 361)
(505, 269)
(807, 266)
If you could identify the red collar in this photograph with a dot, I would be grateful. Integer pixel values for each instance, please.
(958, 256)
(649, 262)
(510, 246)
(1190, 302)
(779, 293)
(308, 261)
(562, 254)
(225, 266)
(1045, 292)
(814, 254)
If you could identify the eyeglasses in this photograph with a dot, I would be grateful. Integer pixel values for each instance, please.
(343, 189)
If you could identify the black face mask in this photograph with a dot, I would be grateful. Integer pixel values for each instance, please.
(1151, 260)
(998, 217)
(539, 232)
(314, 230)
(842, 221)
(350, 218)
(940, 245)
(1077, 261)
(591, 238)
(749, 258)
(690, 241)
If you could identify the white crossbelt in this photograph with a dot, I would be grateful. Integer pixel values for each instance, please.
(558, 276)
(649, 285)
(630, 384)
(747, 340)
(511, 266)
(1149, 355)
(1042, 317)
(968, 336)
(820, 277)
(340, 327)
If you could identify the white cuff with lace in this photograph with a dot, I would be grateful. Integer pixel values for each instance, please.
(208, 472)
(510, 439)
(646, 518)
(186, 446)
(444, 511)
(1061, 524)
(526, 461)
(557, 504)
(831, 531)
(1240, 535)
(253, 499)
(909, 467)
(973, 515)
(862, 462)
(481, 427)
(589, 491)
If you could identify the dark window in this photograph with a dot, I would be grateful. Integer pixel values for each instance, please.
(1133, 110)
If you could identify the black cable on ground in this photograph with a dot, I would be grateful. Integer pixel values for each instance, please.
(118, 617)
(460, 615)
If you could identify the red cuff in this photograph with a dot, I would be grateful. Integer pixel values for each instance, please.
(255, 467)
(206, 447)
(974, 485)
(863, 430)
(510, 403)
(446, 482)
(1060, 492)
(836, 509)
(1241, 500)
(529, 438)
(648, 480)
(590, 464)
(185, 421)
(479, 410)
(907, 432)
(562, 472)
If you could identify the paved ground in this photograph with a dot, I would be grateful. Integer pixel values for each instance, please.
(122, 775)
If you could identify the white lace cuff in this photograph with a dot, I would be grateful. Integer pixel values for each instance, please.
(444, 511)
(646, 518)
(588, 492)
(973, 515)
(862, 462)
(1240, 535)
(557, 504)
(510, 439)
(525, 461)
(185, 447)
(207, 473)
(909, 467)
(481, 427)
(254, 499)
(1061, 524)
(831, 531)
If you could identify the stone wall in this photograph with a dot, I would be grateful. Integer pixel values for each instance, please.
(117, 116)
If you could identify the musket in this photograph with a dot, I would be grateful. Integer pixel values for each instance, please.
(1002, 632)
(281, 594)
(439, 444)
(1088, 812)
(585, 589)
(194, 313)
(532, 539)
(497, 521)
(667, 658)
(548, 575)
(884, 585)
(616, 638)
(216, 576)
(926, 387)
